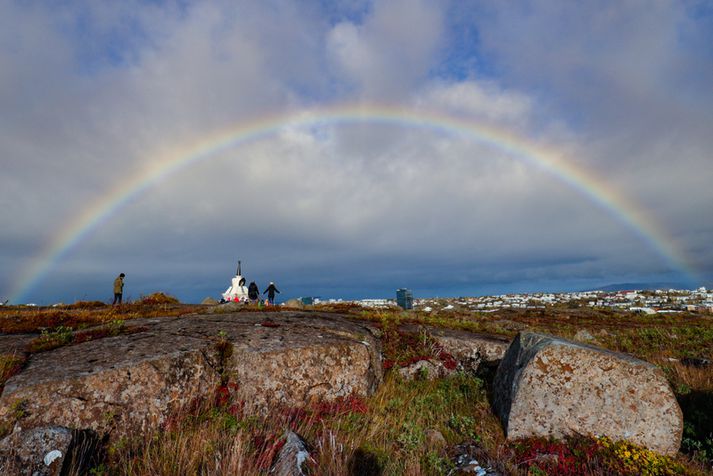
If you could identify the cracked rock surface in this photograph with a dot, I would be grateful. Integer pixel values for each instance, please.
(128, 383)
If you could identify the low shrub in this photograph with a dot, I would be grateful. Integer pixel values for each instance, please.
(51, 339)
(598, 456)
(158, 298)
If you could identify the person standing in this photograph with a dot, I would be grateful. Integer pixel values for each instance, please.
(271, 290)
(253, 292)
(118, 288)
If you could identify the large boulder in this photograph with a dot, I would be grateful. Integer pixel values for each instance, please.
(128, 383)
(546, 386)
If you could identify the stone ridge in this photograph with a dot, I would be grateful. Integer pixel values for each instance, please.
(130, 382)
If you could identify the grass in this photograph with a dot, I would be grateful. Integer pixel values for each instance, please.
(389, 433)
(60, 336)
(29, 320)
(386, 432)
(10, 364)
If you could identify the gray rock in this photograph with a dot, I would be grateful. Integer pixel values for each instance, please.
(295, 303)
(424, 369)
(471, 460)
(470, 350)
(293, 455)
(696, 362)
(435, 441)
(583, 335)
(129, 383)
(546, 386)
(48, 451)
(226, 308)
(209, 301)
(15, 343)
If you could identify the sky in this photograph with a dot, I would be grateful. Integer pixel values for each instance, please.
(344, 149)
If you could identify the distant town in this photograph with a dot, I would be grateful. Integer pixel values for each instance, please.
(643, 301)
(659, 301)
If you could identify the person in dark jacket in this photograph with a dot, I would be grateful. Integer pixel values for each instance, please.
(271, 290)
(118, 288)
(253, 292)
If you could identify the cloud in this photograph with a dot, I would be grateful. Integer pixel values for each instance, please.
(92, 94)
(632, 80)
(391, 50)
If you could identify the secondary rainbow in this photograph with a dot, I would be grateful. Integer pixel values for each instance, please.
(167, 163)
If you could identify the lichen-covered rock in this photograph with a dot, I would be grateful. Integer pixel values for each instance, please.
(46, 451)
(424, 370)
(546, 386)
(128, 383)
(583, 335)
(469, 349)
(125, 383)
(15, 343)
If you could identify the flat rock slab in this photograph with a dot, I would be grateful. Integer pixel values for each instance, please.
(15, 343)
(128, 383)
(546, 386)
(469, 349)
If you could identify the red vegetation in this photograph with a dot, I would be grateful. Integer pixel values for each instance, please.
(225, 394)
(571, 457)
(341, 406)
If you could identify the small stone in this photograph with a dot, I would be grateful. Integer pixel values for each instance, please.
(471, 460)
(695, 362)
(291, 457)
(424, 370)
(435, 440)
(583, 335)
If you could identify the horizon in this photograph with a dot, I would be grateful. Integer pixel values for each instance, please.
(349, 148)
(420, 295)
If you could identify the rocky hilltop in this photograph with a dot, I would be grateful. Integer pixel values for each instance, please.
(118, 386)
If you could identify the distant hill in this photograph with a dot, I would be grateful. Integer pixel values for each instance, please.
(641, 286)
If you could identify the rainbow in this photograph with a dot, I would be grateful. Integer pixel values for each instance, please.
(165, 164)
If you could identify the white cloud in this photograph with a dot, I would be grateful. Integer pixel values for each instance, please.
(391, 51)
